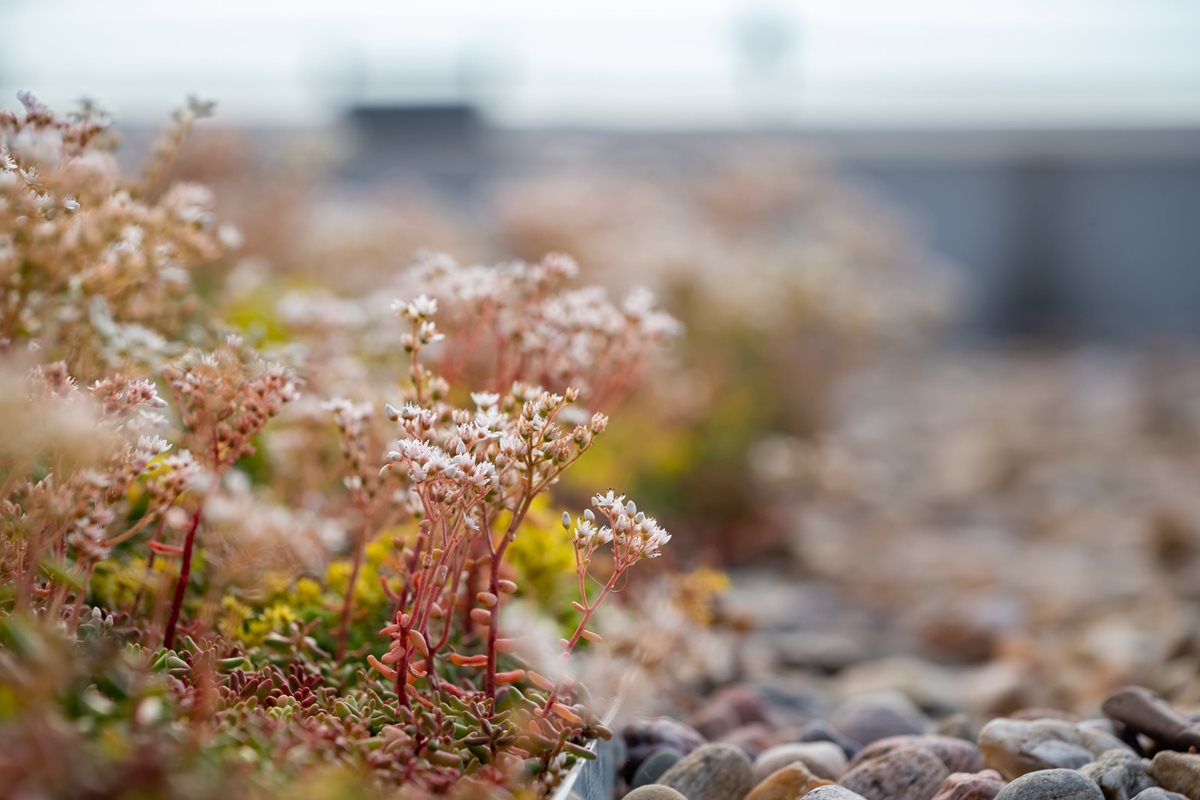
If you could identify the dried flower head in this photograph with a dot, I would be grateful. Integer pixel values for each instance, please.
(225, 397)
(92, 270)
(539, 330)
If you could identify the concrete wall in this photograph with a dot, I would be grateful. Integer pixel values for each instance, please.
(1100, 241)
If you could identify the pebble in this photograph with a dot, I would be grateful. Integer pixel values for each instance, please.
(788, 783)
(1103, 724)
(1178, 772)
(644, 736)
(1015, 747)
(997, 686)
(1145, 712)
(874, 717)
(915, 680)
(753, 738)
(821, 731)
(823, 759)
(833, 792)
(905, 773)
(654, 792)
(746, 701)
(957, 725)
(791, 694)
(1051, 784)
(654, 765)
(711, 772)
(713, 720)
(1120, 774)
(957, 754)
(982, 785)
(730, 708)
(1158, 793)
(1032, 713)
(818, 652)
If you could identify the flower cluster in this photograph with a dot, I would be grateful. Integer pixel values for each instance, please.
(353, 421)
(75, 515)
(816, 252)
(226, 396)
(472, 476)
(520, 321)
(134, 402)
(93, 270)
(633, 535)
(282, 616)
(428, 464)
(174, 474)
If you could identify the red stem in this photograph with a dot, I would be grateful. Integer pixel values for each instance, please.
(494, 588)
(360, 542)
(588, 610)
(185, 573)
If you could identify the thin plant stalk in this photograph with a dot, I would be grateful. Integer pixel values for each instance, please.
(360, 544)
(185, 574)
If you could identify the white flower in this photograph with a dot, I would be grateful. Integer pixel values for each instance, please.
(560, 265)
(428, 333)
(485, 476)
(651, 536)
(584, 533)
(635, 535)
(489, 422)
(609, 503)
(421, 308)
(410, 411)
(485, 399)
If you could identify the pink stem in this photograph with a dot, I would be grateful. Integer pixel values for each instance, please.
(588, 610)
(185, 573)
(344, 629)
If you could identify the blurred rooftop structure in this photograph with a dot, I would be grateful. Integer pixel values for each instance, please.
(1067, 234)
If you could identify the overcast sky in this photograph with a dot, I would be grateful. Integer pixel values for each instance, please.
(625, 63)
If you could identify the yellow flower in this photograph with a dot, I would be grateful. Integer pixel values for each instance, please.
(697, 592)
(234, 614)
(306, 592)
(271, 619)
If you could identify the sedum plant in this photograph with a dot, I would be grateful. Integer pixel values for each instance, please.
(96, 268)
(61, 520)
(470, 474)
(206, 637)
